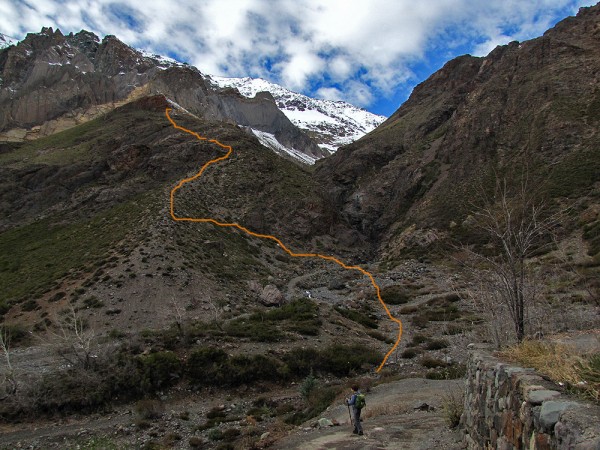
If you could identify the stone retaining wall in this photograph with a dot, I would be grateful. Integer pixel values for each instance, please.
(509, 407)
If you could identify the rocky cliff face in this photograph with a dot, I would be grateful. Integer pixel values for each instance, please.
(51, 82)
(526, 107)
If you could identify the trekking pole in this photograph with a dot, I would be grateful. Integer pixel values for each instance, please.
(350, 415)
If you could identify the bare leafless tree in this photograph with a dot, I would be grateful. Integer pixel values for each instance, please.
(179, 315)
(9, 380)
(75, 342)
(516, 225)
(487, 303)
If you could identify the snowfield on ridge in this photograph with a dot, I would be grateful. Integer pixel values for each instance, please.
(331, 123)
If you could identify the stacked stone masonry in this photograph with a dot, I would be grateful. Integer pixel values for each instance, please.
(509, 407)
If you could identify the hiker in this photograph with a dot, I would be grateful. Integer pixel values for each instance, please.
(357, 402)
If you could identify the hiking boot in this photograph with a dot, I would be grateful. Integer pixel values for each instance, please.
(354, 432)
(360, 433)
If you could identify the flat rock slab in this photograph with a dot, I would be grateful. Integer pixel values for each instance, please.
(539, 396)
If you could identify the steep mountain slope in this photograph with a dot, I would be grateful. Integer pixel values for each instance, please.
(331, 124)
(530, 107)
(51, 82)
(84, 208)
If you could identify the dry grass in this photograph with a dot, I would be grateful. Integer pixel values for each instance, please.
(389, 409)
(560, 363)
(452, 407)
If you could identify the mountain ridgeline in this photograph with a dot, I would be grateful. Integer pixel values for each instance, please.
(87, 160)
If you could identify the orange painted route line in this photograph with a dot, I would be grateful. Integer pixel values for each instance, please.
(268, 236)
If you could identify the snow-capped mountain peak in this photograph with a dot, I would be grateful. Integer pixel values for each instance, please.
(6, 41)
(331, 124)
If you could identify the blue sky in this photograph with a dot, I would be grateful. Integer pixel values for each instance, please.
(370, 52)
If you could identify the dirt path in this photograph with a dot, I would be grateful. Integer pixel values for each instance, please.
(390, 421)
(44, 434)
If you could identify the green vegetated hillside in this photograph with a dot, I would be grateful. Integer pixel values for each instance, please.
(89, 228)
(90, 195)
(105, 255)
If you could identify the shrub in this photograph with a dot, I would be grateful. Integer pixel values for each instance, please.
(299, 316)
(4, 307)
(319, 400)
(258, 412)
(307, 328)
(308, 386)
(116, 334)
(14, 333)
(436, 344)
(231, 434)
(452, 408)
(196, 442)
(380, 336)
(410, 309)
(56, 297)
(450, 372)
(159, 370)
(341, 360)
(214, 366)
(170, 439)
(30, 305)
(246, 369)
(149, 409)
(453, 297)
(410, 353)
(419, 339)
(432, 362)
(215, 435)
(301, 361)
(454, 329)
(99, 443)
(297, 310)
(216, 413)
(204, 363)
(395, 295)
(420, 321)
(93, 302)
(447, 313)
(254, 329)
(357, 317)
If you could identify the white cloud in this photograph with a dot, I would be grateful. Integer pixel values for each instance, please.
(367, 47)
(329, 93)
(486, 47)
(358, 93)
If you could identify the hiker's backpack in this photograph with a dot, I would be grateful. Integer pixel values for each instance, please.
(360, 402)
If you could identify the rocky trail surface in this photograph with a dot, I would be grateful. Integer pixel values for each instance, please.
(405, 414)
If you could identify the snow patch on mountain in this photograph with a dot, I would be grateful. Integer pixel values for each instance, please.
(162, 62)
(331, 124)
(6, 41)
(270, 141)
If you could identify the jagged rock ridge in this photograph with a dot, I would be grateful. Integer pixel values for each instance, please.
(51, 82)
(6, 41)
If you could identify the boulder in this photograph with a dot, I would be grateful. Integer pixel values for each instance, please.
(271, 296)
(324, 422)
